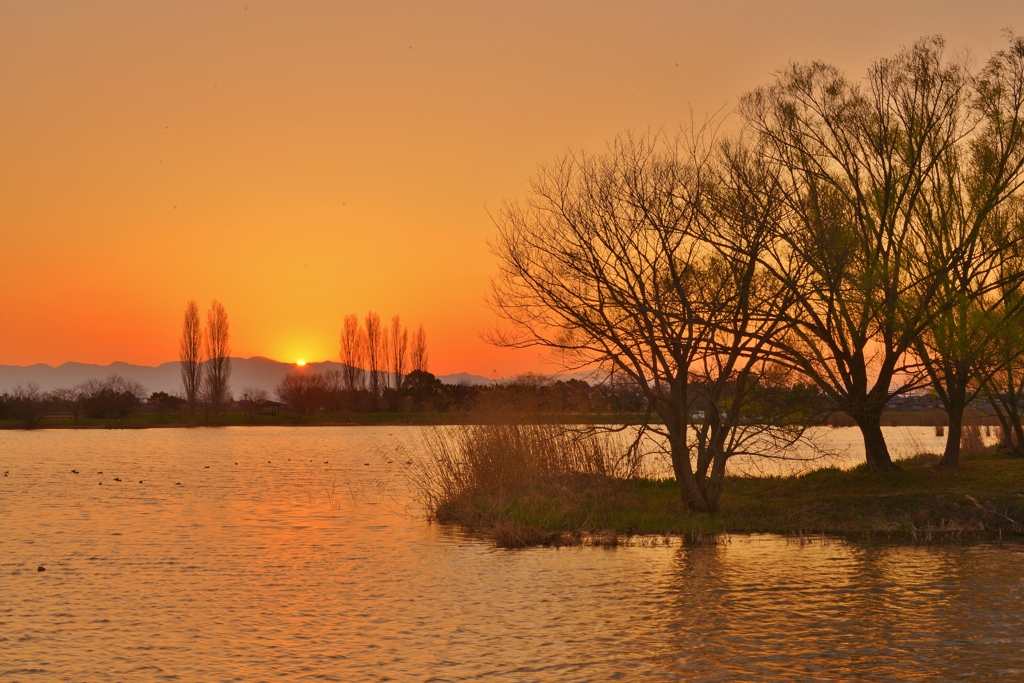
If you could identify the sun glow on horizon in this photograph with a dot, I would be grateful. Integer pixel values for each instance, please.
(300, 362)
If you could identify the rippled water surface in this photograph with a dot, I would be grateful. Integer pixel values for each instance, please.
(247, 572)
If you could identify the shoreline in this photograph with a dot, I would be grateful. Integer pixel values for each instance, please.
(982, 500)
(151, 422)
(145, 420)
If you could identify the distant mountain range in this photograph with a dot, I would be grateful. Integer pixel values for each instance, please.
(257, 372)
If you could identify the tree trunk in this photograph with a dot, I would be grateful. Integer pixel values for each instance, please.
(1012, 403)
(713, 486)
(876, 453)
(1013, 434)
(951, 456)
(1017, 439)
(689, 489)
(676, 416)
(1005, 439)
(1006, 431)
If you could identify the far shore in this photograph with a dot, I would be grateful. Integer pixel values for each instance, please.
(147, 420)
(153, 421)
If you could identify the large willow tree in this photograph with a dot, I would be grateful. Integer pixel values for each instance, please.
(863, 253)
(973, 220)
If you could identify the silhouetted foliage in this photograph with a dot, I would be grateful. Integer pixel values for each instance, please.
(26, 404)
(114, 398)
(190, 355)
(301, 391)
(418, 357)
(71, 400)
(164, 403)
(305, 392)
(217, 368)
(422, 391)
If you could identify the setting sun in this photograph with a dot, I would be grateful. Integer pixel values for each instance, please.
(300, 362)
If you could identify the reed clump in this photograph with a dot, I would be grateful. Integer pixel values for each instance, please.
(500, 474)
(469, 460)
(971, 443)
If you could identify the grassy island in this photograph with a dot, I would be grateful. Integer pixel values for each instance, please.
(982, 499)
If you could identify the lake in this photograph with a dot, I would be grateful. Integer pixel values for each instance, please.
(298, 554)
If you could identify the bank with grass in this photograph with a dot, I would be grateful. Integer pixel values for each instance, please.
(522, 491)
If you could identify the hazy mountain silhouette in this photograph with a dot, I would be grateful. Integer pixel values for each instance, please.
(259, 372)
(464, 378)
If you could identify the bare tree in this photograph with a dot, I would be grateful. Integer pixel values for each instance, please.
(376, 353)
(301, 391)
(115, 397)
(751, 399)
(398, 351)
(218, 361)
(332, 386)
(618, 260)
(353, 353)
(190, 355)
(125, 386)
(28, 404)
(70, 399)
(853, 162)
(418, 354)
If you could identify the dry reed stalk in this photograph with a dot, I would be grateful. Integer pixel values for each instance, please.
(502, 462)
(970, 440)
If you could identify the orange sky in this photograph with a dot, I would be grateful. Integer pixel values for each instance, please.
(303, 160)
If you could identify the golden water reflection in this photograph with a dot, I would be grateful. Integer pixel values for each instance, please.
(248, 572)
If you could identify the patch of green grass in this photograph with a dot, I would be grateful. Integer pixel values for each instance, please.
(983, 498)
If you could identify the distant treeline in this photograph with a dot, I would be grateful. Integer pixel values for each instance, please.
(111, 399)
(306, 393)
